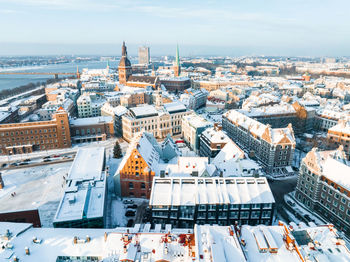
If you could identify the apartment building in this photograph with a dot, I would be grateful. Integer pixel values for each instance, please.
(192, 127)
(324, 186)
(280, 115)
(184, 201)
(194, 98)
(212, 140)
(326, 118)
(89, 105)
(159, 120)
(18, 138)
(273, 147)
(340, 135)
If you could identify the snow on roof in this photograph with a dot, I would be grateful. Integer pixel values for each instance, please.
(119, 244)
(217, 243)
(269, 110)
(196, 121)
(86, 184)
(258, 244)
(258, 129)
(214, 135)
(231, 161)
(195, 191)
(343, 127)
(174, 107)
(337, 171)
(184, 166)
(90, 120)
(144, 111)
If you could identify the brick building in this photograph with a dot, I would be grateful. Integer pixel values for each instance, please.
(17, 138)
(91, 129)
(140, 163)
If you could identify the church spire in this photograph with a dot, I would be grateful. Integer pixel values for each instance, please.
(177, 56)
(177, 67)
(124, 52)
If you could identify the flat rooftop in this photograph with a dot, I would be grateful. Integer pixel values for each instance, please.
(84, 195)
(37, 187)
(90, 121)
(197, 191)
(144, 111)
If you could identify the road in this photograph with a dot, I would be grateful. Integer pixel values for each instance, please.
(279, 188)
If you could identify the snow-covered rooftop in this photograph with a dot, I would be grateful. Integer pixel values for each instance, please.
(84, 195)
(90, 121)
(195, 191)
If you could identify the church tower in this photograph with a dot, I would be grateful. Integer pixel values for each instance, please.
(124, 67)
(177, 67)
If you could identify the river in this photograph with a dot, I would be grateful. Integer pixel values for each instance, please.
(12, 81)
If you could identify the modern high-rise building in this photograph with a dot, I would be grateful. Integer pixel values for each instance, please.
(144, 55)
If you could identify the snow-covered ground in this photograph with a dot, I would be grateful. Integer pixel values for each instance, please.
(302, 210)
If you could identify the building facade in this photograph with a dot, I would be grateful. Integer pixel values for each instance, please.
(89, 105)
(160, 120)
(18, 138)
(183, 202)
(91, 129)
(340, 135)
(192, 127)
(212, 140)
(273, 147)
(323, 186)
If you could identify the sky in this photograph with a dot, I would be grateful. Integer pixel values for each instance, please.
(200, 27)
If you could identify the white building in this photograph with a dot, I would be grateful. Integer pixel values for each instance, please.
(192, 127)
(89, 105)
(160, 120)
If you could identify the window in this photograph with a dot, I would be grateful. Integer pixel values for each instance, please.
(143, 185)
(131, 185)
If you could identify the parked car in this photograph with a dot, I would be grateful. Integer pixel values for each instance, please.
(290, 203)
(132, 206)
(23, 163)
(307, 217)
(130, 213)
(47, 160)
(130, 223)
(46, 157)
(128, 201)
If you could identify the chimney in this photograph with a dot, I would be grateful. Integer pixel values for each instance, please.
(1, 182)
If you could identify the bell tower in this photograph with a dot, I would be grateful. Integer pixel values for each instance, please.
(124, 67)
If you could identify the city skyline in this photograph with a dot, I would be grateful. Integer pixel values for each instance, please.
(233, 28)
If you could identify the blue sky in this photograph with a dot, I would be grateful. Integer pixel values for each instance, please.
(221, 27)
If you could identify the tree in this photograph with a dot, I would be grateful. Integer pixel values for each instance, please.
(117, 151)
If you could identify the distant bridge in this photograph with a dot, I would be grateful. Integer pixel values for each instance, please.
(56, 74)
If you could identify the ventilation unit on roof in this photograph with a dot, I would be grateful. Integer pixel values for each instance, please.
(71, 199)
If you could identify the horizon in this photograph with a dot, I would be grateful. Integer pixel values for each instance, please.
(201, 28)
